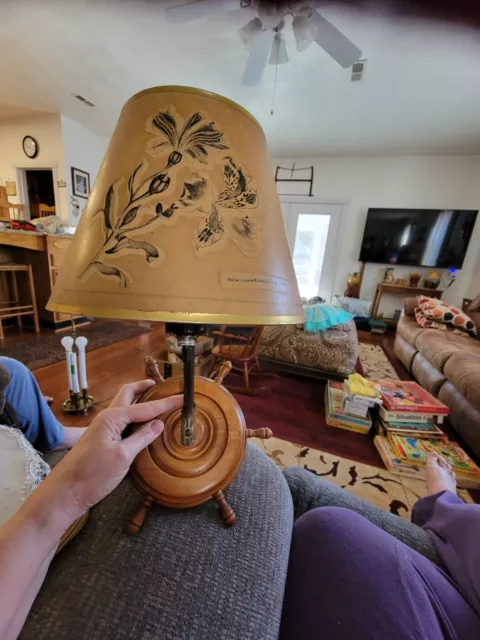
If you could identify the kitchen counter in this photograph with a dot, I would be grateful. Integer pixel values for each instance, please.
(45, 253)
(34, 240)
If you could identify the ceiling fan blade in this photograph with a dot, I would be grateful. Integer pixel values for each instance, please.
(198, 9)
(338, 46)
(257, 60)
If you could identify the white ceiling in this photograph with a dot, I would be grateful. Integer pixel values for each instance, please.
(420, 93)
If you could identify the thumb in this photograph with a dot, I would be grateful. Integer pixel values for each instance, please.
(142, 437)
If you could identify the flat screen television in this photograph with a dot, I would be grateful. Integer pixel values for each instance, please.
(417, 237)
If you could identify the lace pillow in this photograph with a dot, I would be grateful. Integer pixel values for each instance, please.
(22, 469)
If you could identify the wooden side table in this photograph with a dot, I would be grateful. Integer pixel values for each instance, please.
(14, 308)
(383, 287)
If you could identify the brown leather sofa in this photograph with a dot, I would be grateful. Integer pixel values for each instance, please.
(448, 366)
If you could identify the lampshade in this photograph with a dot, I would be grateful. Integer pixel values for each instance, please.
(183, 223)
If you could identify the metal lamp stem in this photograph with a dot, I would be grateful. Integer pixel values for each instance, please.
(188, 411)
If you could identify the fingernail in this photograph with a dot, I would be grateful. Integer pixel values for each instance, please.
(157, 426)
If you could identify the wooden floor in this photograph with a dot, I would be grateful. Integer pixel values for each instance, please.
(108, 368)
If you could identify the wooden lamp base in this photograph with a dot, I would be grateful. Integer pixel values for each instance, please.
(177, 476)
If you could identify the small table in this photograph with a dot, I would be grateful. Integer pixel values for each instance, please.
(384, 287)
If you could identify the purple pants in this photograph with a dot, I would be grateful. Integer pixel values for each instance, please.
(349, 579)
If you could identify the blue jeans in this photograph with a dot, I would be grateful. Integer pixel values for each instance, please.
(34, 416)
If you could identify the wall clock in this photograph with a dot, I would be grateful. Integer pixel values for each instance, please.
(30, 147)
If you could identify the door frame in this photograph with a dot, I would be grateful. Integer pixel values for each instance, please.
(340, 228)
(22, 192)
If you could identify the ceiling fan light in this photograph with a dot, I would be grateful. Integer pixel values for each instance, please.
(279, 54)
(248, 32)
(304, 30)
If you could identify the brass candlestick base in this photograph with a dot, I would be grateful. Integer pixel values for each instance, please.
(78, 403)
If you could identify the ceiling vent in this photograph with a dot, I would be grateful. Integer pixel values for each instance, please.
(357, 70)
(86, 101)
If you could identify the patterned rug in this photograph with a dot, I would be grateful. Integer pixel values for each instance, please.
(375, 363)
(44, 348)
(377, 486)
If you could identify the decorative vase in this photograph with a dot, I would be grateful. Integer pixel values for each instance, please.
(353, 285)
(432, 280)
(388, 277)
(415, 278)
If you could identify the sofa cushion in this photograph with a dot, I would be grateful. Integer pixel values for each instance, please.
(404, 351)
(438, 346)
(464, 417)
(440, 311)
(183, 576)
(463, 370)
(409, 329)
(428, 376)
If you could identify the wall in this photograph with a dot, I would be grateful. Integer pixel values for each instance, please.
(83, 150)
(46, 129)
(410, 181)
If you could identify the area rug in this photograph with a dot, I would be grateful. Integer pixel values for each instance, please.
(375, 363)
(293, 408)
(375, 485)
(40, 350)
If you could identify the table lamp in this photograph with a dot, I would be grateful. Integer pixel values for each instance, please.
(184, 225)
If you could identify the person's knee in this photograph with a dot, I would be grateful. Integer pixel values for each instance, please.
(328, 523)
(14, 367)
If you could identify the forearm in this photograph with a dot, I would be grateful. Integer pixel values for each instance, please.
(19, 617)
(27, 543)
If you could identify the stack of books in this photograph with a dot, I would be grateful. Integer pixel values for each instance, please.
(357, 417)
(409, 410)
(406, 456)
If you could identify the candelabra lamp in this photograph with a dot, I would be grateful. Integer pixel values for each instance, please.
(184, 226)
(79, 401)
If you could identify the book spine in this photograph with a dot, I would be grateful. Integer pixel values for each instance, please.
(414, 408)
(352, 408)
(407, 416)
(335, 397)
(346, 426)
(355, 420)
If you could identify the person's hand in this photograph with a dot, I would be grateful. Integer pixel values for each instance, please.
(101, 459)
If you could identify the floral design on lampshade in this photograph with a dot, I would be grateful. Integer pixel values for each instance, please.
(191, 143)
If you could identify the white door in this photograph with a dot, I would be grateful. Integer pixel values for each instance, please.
(312, 231)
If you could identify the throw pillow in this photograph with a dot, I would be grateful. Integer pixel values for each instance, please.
(426, 323)
(439, 311)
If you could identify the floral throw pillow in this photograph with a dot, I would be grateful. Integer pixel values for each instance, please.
(424, 322)
(439, 311)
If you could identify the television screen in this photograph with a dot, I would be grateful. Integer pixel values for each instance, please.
(417, 237)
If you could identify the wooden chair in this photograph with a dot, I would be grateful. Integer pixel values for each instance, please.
(242, 352)
(44, 210)
(14, 308)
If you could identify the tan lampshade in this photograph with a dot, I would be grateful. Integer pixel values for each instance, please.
(183, 223)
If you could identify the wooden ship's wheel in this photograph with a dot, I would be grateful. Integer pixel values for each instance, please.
(178, 476)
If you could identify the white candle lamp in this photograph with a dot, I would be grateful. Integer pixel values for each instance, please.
(78, 401)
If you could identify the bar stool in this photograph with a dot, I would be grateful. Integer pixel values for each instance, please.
(13, 308)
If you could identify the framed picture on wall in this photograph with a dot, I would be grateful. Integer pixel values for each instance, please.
(80, 183)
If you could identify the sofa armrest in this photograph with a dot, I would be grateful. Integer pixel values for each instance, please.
(409, 306)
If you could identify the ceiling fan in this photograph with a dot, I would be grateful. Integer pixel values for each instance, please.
(263, 34)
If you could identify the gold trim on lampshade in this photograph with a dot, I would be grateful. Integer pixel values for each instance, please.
(183, 223)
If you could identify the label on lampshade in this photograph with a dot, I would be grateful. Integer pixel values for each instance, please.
(250, 281)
